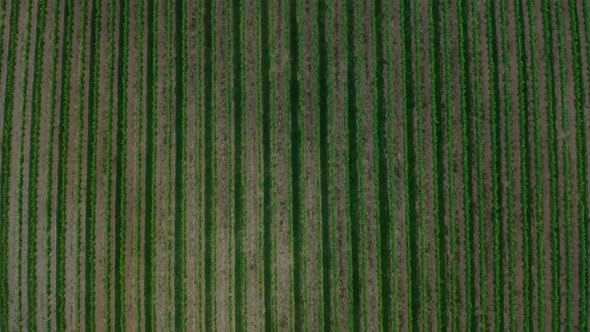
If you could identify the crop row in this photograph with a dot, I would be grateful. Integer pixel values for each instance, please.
(121, 166)
(408, 98)
(497, 211)
(429, 96)
(453, 221)
(2, 25)
(180, 172)
(553, 167)
(467, 120)
(170, 108)
(239, 169)
(437, 111)
(507, 111)
(266, 33)
(325, 133)
(479, 142)
(50, 162)
(150, 165)
(420, 156)
(6, 161)
(33, 212)
(210, 181)
(79, 150)
(109, 164)
(139, 161)
(91, 160)
(581, 161)
(21, 164)
(62, 176)
(395, 259)
(524, 144)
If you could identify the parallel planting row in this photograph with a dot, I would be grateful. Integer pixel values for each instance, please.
(298, 165)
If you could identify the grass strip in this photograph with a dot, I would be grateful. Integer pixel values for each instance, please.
(325, 146)
(473, 320)
(33, 203)
(197, 318)
(240, 221)
(6, 161)
(267, 111)
(582, 137)
(451, 168)
(21, 165)
(210, 182)
(274, 182)
(259, 170)
(229, 144)
(180, 170)
(50, 162)
(566, 169)
(395, 324)
(553, 167)
(170, 109)
(420, 156)
(139, 161)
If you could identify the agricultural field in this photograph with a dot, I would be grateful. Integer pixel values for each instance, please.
(345, 165)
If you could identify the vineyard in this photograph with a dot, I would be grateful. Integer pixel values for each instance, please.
(298, 165)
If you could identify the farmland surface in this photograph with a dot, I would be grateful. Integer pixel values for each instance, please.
(294, 165)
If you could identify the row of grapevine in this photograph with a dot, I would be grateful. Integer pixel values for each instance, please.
(21, 163)
(33, 211)
(422, 118)
(50, 162)
(91, 168)
(121, 166)
(109, 164)
(139, 83)
(79, 158)
(149, 241)
(553, 167)
(239, 172)
(497, 211)
(298, 165)
(581, 161)
(62, 178)
(7, 132)
(210, 180)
